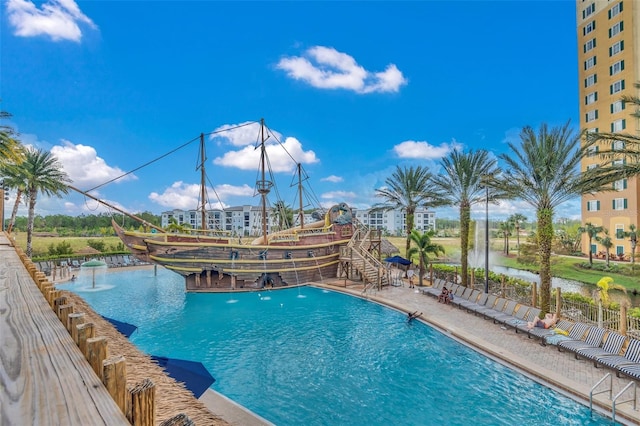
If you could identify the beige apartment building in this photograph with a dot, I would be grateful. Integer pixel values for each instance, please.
(609, 67)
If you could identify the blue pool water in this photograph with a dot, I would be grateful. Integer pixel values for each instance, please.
(314, 357)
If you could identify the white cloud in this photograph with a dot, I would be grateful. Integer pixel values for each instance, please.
(225, 190)
(185, 196)
(512, 135)
(332, 178)
(424, 150)
(326, 68)
(84, 167)
(279, 159)
(57, 19)
(341, 195)
(243, 134)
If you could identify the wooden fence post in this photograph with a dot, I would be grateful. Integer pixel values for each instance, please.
(96, 353)
(623, 319)
(431, 273)
(558, 302)
(86, 331)
(62, 300)
(115, 380)
(73, 321)
(63, 313)
(534, 294)
(143, 408)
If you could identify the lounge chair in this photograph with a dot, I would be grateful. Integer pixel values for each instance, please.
(523, 317)
(563, 326)
(576, 333)
(631, 355)
(470, 297)
(631, 370)
(508, 310)
(488, 304)
(434, 290)
(612, 346)
(497, 306)
(480, 301)
(593, 339)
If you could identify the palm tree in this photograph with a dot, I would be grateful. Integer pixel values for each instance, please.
(505, 229)
(592, 232)
(14, 177)
(282, 214)
(44, 175)
(544, 171)
(423, 246)
(517, 219)
(622, 144)
(10, 148)
(606, 242)
(463, 184)
(408, 188)
(633, 238)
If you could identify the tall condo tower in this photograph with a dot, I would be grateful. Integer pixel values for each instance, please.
(608, 68)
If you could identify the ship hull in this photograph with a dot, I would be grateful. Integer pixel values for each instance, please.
(216, 264)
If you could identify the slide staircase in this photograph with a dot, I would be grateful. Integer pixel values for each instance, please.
(357, 259)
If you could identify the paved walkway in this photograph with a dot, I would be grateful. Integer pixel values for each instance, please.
(560, 370)
(44, 378)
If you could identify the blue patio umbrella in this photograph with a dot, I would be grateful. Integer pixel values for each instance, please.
(194, 375)
(124, 328)
(399, 260)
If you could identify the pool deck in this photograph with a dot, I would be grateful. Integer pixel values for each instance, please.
(546, 364)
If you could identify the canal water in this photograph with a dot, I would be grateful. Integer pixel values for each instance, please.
(564, 285)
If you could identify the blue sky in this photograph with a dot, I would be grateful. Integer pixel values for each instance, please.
(352, 89)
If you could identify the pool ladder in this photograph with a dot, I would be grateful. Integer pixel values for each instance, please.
(614, 399)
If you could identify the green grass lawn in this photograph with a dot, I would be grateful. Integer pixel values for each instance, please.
(40, 245)
(561, 267)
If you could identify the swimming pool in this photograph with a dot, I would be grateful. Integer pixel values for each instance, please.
(314, 357)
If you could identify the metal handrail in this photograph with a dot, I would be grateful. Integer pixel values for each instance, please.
(610, 390)
(619, 394)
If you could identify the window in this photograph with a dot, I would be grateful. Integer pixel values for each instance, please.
(592, 115)
(619, 203)
(592, 166)
(590, 63)
(617, 163)
(616, 87)
(591, 98)
(619, 250)
(616, 48)
(593, 205)
(588, 28)
(617, 145)
(617, 106)
(589, 10)
(592, 151)
(616, 68)
(619, 231)
(590, 45)
(616, 29)
(614, 11)
(592, 130)
(620, 185)
(619, 125)
(590, 80)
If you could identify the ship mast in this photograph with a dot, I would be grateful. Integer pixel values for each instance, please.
(263, 186)
(203, 212)
(301, 212)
